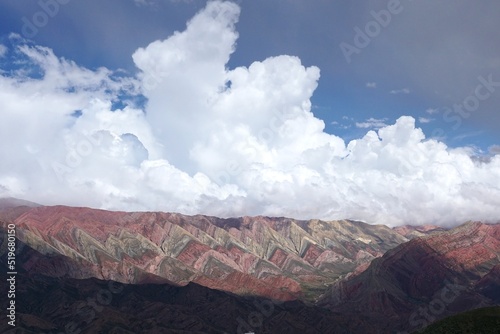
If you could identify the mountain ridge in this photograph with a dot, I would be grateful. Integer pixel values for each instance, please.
(234, 254)
(418, 274)
(344, 268)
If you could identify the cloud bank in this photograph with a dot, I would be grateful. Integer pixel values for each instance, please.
(219, 141)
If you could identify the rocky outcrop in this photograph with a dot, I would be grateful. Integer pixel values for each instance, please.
(280, 258)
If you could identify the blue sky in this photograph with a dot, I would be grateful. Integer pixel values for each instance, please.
(435, 51)
(381, 111)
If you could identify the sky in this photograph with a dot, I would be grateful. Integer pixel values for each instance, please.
(381, 111)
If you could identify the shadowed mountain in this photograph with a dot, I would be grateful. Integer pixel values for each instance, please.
(481, 321)
(200, 274)
(11, 202)
(425, 279)
(46, 304)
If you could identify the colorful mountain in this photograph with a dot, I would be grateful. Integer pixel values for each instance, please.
(202, 274)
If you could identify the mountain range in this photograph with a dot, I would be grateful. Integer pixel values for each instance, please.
(260, 274)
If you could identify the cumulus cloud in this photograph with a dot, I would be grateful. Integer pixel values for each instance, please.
(371, 85)
(494, 149)
(221, 141)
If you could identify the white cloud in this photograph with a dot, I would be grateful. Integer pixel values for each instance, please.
(3, 50)
(373, 123)
(425, 120)
(221, 141)
(494, 149)
(467, 135)
(432, 111)
(371, 85)
(400, 91)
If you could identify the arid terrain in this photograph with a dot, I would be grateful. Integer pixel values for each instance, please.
(171, 273)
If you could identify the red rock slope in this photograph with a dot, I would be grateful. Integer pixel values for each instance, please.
(278, 258)
(425, 279)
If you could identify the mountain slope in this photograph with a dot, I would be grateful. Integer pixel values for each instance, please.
(481, 321)
(11, 202)
(279, 258)
(46, 304)
(425, 279)
(375, 280)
